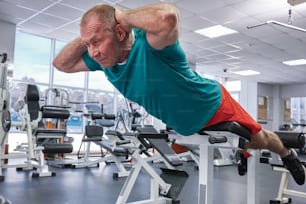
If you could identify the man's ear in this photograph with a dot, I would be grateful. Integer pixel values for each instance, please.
(121, 33)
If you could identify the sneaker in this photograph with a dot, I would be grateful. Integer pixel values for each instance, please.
(295, 167)
(242, 163)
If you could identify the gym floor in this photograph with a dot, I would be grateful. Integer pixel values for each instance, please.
(97, 186)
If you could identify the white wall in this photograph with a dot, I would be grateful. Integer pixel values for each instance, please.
(248, 97)
(277, 110)
(7, 39)
(298, 90)
(279, 94)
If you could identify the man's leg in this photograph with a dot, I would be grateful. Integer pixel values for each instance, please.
(269, 140)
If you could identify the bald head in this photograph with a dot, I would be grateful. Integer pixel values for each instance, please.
(103, 12)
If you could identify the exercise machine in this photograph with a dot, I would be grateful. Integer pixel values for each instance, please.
(290, 139)
(4, 113)
(94, 134)
(164, 188)
(32, 154)
(217, 136)
(4, 200)
(52, 130)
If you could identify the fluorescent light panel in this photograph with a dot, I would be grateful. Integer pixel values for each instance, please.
(247, 72)
(295, 62)
(215, 31)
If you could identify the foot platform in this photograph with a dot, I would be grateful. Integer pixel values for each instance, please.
(177, 180)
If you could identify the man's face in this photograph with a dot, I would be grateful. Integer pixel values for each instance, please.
(101, 42)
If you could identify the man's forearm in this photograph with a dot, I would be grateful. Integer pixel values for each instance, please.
(70, 55)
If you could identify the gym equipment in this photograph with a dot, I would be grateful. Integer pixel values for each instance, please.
(94, 133)
(290, 140)
(164, 188)
(4, 112)
(219, 134)
(127, 120)
(4, 201)
(33, 154)
(52, 139)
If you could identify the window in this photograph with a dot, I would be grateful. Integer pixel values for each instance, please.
(234, 88)
(298, 112)
(98, 80)
(67, 79)
(32, 58)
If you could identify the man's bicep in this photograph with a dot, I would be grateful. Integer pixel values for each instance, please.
(162, 40)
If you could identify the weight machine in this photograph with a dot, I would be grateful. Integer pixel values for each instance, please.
(95, 134)
(30, 152)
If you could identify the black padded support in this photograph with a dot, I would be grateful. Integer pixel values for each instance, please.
(58, 132)
(93, 131)
(116, 150)
(55, 148)
(55, 112)
(32, 100)
(177, 179)
(109, 116)
(115, 133)
(96, 116)
(292, 139)
(159, 142)
(105, 122)
(229, 126)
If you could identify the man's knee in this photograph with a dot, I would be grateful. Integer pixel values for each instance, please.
(260, 140)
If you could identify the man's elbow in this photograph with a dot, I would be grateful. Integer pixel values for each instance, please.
(171, 17)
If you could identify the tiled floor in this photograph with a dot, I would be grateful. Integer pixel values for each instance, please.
(96, 186)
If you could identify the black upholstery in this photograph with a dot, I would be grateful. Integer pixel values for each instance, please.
(32, 99)
(100, 118)
(229, 126)
(93, 131)
(150, 138)
(57, 148)
(292, 139)
(54, 112)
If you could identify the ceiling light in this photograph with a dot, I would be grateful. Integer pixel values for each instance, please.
(247, 72)
(295, 62)
(215, 31)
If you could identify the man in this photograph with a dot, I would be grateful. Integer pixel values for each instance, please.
(139, 52)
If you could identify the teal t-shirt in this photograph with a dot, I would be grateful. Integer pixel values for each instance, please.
(162, 82)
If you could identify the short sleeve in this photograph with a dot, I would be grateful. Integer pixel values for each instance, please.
(91, 63)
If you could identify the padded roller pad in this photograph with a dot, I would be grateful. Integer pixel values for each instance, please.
(94, 131)
(229, 126)
(57, 148)
(50, 131)
(117, 150)
(291, 139)
(54, 112)
(59, 132)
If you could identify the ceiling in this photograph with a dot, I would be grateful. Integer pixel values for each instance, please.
(261, 48)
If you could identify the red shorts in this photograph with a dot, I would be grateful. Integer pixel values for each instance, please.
(231, 110)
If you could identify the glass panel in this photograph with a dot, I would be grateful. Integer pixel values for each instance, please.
(98, 80)
(18, 113)
(232, 86)
(31, 58)
(76, 104)
(298, 111)
(67, 79)
(102, 98)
